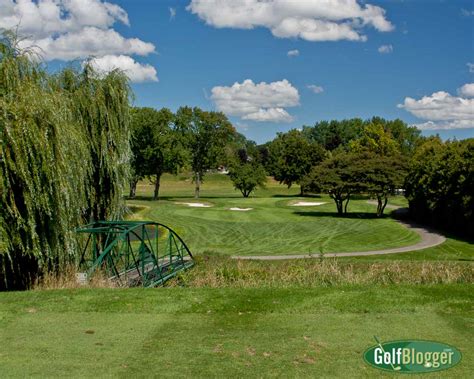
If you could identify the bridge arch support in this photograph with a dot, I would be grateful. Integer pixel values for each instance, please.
(134, 253)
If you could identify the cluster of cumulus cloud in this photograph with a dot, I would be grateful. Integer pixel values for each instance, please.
(311, 20)
(78, 29)
(443, 110)
(257, 101)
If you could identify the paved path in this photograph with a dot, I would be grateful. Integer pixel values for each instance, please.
(429, 238)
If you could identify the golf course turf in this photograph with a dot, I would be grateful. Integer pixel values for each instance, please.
(176, 332)
(273, 225)
(286, 329)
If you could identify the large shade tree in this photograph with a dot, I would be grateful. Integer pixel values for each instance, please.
(64, 148)
(380, 176)
(291, 157)
(155, 146)
(439, 185)
(338, 176)
(205, 135)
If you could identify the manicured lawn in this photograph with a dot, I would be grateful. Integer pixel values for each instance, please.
(283, 327)
(175, 332)
(272, 226)
(454, 249)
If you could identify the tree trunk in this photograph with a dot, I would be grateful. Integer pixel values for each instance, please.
(156, 193)
(133, 188)
(338, 200)
(340, 210)
(381, 204)
(347, 202)
(198, 185)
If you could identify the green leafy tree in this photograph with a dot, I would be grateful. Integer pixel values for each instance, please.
(375, 139)
(408, 137)
(339, 176)
(334, 134)
(380, 176)
(439, 185)
(292, 156)
(63, 158)
(101, 106)
(246, 177)
(155, 146)
(205, 135)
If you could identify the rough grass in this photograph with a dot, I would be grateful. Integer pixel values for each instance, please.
(222, 273)
(67, 279)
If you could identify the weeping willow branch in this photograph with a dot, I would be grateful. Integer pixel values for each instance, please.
(64, 160)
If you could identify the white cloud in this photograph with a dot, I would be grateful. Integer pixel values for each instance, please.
(172, 13)
(44, 18)
(385, 49)
(445, 125)
(136, 72)
(293, 53)
(315, 88)
(312, 20)
(466, 12)
(442, 110)
(88, 41)
(257, 101)
(73, 29)
(470, 66)
(467, 90)
(269, 115)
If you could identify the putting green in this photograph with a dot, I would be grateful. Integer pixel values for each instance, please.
(274, 226)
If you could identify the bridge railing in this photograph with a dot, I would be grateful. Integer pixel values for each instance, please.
(134, 252)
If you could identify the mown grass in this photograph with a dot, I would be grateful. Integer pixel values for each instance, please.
(229, 318)
(225, 332)
(273, 226)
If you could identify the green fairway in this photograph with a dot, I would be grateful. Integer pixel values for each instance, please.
(273, 225)
(233, 332)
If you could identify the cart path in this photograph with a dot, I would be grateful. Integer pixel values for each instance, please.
(429, 238)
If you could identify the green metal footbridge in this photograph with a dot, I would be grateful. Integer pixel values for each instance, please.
(133, 253)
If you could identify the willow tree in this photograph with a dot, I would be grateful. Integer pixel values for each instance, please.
(100, 104)
(57, 160)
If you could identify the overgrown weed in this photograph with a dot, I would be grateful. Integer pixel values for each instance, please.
(224, 272)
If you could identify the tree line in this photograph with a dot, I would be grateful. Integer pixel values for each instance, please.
(340, 158)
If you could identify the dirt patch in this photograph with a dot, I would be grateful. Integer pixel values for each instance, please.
(240, 209)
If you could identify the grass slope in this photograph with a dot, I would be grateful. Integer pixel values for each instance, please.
(174, 332)
(272, 226)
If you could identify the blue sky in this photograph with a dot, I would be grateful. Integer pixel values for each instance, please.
(429, 50)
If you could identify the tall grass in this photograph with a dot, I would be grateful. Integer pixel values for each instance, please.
(224, 272)
(67, 279)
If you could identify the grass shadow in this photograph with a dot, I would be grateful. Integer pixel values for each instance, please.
(350, 215)
(298, 195)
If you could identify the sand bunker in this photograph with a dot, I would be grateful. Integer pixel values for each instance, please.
(196, 205)
(240, 209)
(307, 203)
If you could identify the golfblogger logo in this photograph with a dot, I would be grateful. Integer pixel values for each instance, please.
(412, 356)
